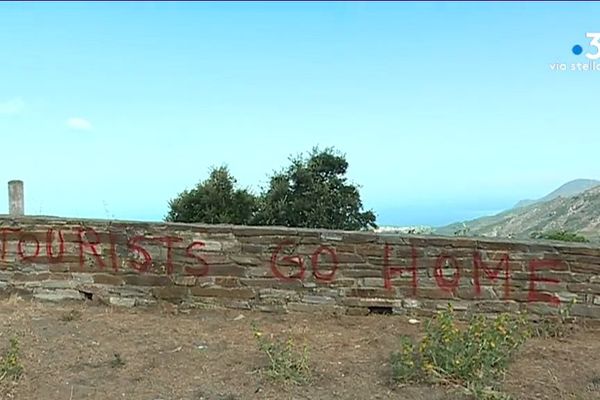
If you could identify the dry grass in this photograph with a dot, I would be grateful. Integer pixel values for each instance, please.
(212, 355)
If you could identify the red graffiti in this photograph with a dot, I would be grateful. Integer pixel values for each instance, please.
(292, 259)
(189, 251)
(389, 271)
(299, 261)
(4, 232)
(315, 264)
(91, 245)
(492, 273)
(534, 295)
(442, 282)
(284, 266)
(52, 259)
(133, 246)
(21, 251)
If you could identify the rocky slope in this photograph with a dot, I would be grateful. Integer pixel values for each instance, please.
(572, 212)
(569, 189)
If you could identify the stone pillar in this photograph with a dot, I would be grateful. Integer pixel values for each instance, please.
(16, 201)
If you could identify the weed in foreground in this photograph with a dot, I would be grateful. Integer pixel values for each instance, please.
(286, 361)
(558, 326)
(594, 385)
(10, 364)
(70, 316)
(474, 358)
(117, 361)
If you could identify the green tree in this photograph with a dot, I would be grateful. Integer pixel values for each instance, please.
(214, 201)
(313, 193)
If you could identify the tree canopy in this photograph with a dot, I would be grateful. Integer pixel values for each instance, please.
(214, 201)
(312, 192)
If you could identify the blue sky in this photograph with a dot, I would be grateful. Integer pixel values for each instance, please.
(445, 111)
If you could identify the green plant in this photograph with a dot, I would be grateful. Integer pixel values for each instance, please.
(70, 316)
(594, 385)
(314, 192)
(216, 200)
(474, 357)
(286, 362)
(117, 361)
(562, 235)
(10, 365)
(404, 362)
(556, 327)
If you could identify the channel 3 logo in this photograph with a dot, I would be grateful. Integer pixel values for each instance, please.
(594, 42)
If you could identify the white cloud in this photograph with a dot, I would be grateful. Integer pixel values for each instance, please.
(13, 106)
(81, 124)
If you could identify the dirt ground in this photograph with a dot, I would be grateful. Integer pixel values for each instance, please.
(75, 352)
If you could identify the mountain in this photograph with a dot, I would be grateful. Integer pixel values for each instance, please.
(575, 206)
(569, 189)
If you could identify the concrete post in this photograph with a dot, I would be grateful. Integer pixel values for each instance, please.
(16, 201)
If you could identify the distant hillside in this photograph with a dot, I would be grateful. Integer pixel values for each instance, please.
(565, 208)
(569, 189)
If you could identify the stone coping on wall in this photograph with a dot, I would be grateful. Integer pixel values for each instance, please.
(328, 234)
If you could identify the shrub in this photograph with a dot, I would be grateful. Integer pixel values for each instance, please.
(216, 200)
(71, 316)
(10, 365)
(314, 192)
(286, 362)
(558, 326)
(474, 357)
(117, 361)
(562, 235)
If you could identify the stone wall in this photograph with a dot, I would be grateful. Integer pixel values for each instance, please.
(281, 269)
